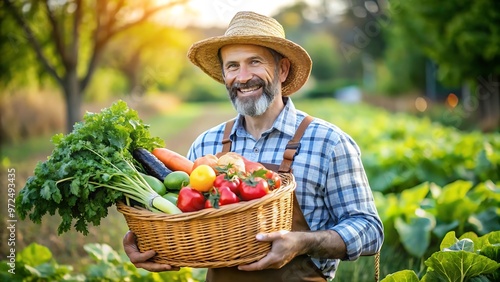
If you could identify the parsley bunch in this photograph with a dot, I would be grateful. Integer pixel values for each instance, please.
(96, 155)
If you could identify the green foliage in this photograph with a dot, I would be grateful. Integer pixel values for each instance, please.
(469, 258)
(16, 63)
(196, 86)
(327, 88)
(83, 161)
(35, 263)
(322, 49)
(403, 66)
(111, 83)
(411, 150)
(403, 275)
(420, 214)
(149, 57)
(467, 30)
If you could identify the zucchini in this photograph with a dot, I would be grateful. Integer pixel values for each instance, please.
(151, 164)
(155, 184)
(172, 197)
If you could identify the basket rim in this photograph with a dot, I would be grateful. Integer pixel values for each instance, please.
(210, 212)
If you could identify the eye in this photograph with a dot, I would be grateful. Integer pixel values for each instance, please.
(255, 62)
(231, 66)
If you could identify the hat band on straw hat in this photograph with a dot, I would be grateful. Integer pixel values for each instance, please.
(255, 29)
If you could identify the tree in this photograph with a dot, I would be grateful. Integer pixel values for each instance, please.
(63, 28)
(150, 55)
(463, 38)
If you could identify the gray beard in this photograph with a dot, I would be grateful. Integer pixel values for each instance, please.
(250, 106)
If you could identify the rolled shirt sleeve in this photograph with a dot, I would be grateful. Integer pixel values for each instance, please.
(351, 200)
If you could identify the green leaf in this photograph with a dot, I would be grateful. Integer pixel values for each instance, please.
(448, 240)
(492, 252)
(481, 278)
(454, 191)
(462, 245)
(486, 221)
(102, 252)
(47, 189)
(401, 276)
(453, 203)
(53, 271)
(442, 228)
(35, 254)
(457, 266)
(75, 186)
(410, 199)
(415, 236)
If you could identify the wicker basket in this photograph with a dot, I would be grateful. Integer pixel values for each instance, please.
(213, 238)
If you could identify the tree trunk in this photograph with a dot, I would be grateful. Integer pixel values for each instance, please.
(73, 99)
(488, 95)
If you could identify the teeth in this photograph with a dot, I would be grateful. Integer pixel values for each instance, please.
(249, 89)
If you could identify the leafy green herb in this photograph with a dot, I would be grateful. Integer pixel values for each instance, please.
(96, 155)
(470, 258)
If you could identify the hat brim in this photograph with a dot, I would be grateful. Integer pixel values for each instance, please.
(204, 55)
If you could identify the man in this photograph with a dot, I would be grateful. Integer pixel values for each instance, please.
(337, 218)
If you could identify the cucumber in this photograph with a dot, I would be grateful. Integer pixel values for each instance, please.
(171, 197)
(155, 184)
(151, 164)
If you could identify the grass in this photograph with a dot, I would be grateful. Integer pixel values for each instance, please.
(166, 125)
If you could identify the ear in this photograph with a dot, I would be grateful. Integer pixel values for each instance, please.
(284, 69)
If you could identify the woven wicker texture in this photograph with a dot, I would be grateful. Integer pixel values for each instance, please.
(213, 238)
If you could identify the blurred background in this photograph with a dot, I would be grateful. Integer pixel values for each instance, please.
(420, 77)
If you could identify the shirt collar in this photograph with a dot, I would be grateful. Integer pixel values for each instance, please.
(285, 122)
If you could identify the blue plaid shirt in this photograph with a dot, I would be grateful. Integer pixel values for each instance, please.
(332, 188)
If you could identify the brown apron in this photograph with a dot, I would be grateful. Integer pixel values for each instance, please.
(301, 268)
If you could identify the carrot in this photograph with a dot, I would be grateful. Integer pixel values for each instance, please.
(173, 160)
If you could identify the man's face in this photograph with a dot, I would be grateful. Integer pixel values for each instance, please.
(252, 78)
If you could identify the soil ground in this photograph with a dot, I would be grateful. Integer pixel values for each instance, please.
(206, 120)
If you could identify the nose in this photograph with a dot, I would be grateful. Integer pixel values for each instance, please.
(244, 74)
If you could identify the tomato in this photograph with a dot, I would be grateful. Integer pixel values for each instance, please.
(273, 179)
(253, 188)
(190, 200)
(226, 196)
(220, 197)
(202, 178)
(208, 204)
(224, 180)
(251, 166)
(209, 159)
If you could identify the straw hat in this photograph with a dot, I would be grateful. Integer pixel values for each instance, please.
(256, 29)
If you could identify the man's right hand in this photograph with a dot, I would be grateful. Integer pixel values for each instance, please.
(141, 260)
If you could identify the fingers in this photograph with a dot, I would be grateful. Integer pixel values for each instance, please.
(141, 260)
(273, 259)
(269, 237)
(155, 267)
(258, 265)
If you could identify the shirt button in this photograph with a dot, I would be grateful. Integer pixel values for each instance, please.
(255, 150)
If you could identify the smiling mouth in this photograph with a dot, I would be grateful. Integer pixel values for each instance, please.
(249, 90)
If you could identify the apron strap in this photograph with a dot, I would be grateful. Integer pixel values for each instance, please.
(226, 142)
(293, 146)
(291, 149)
